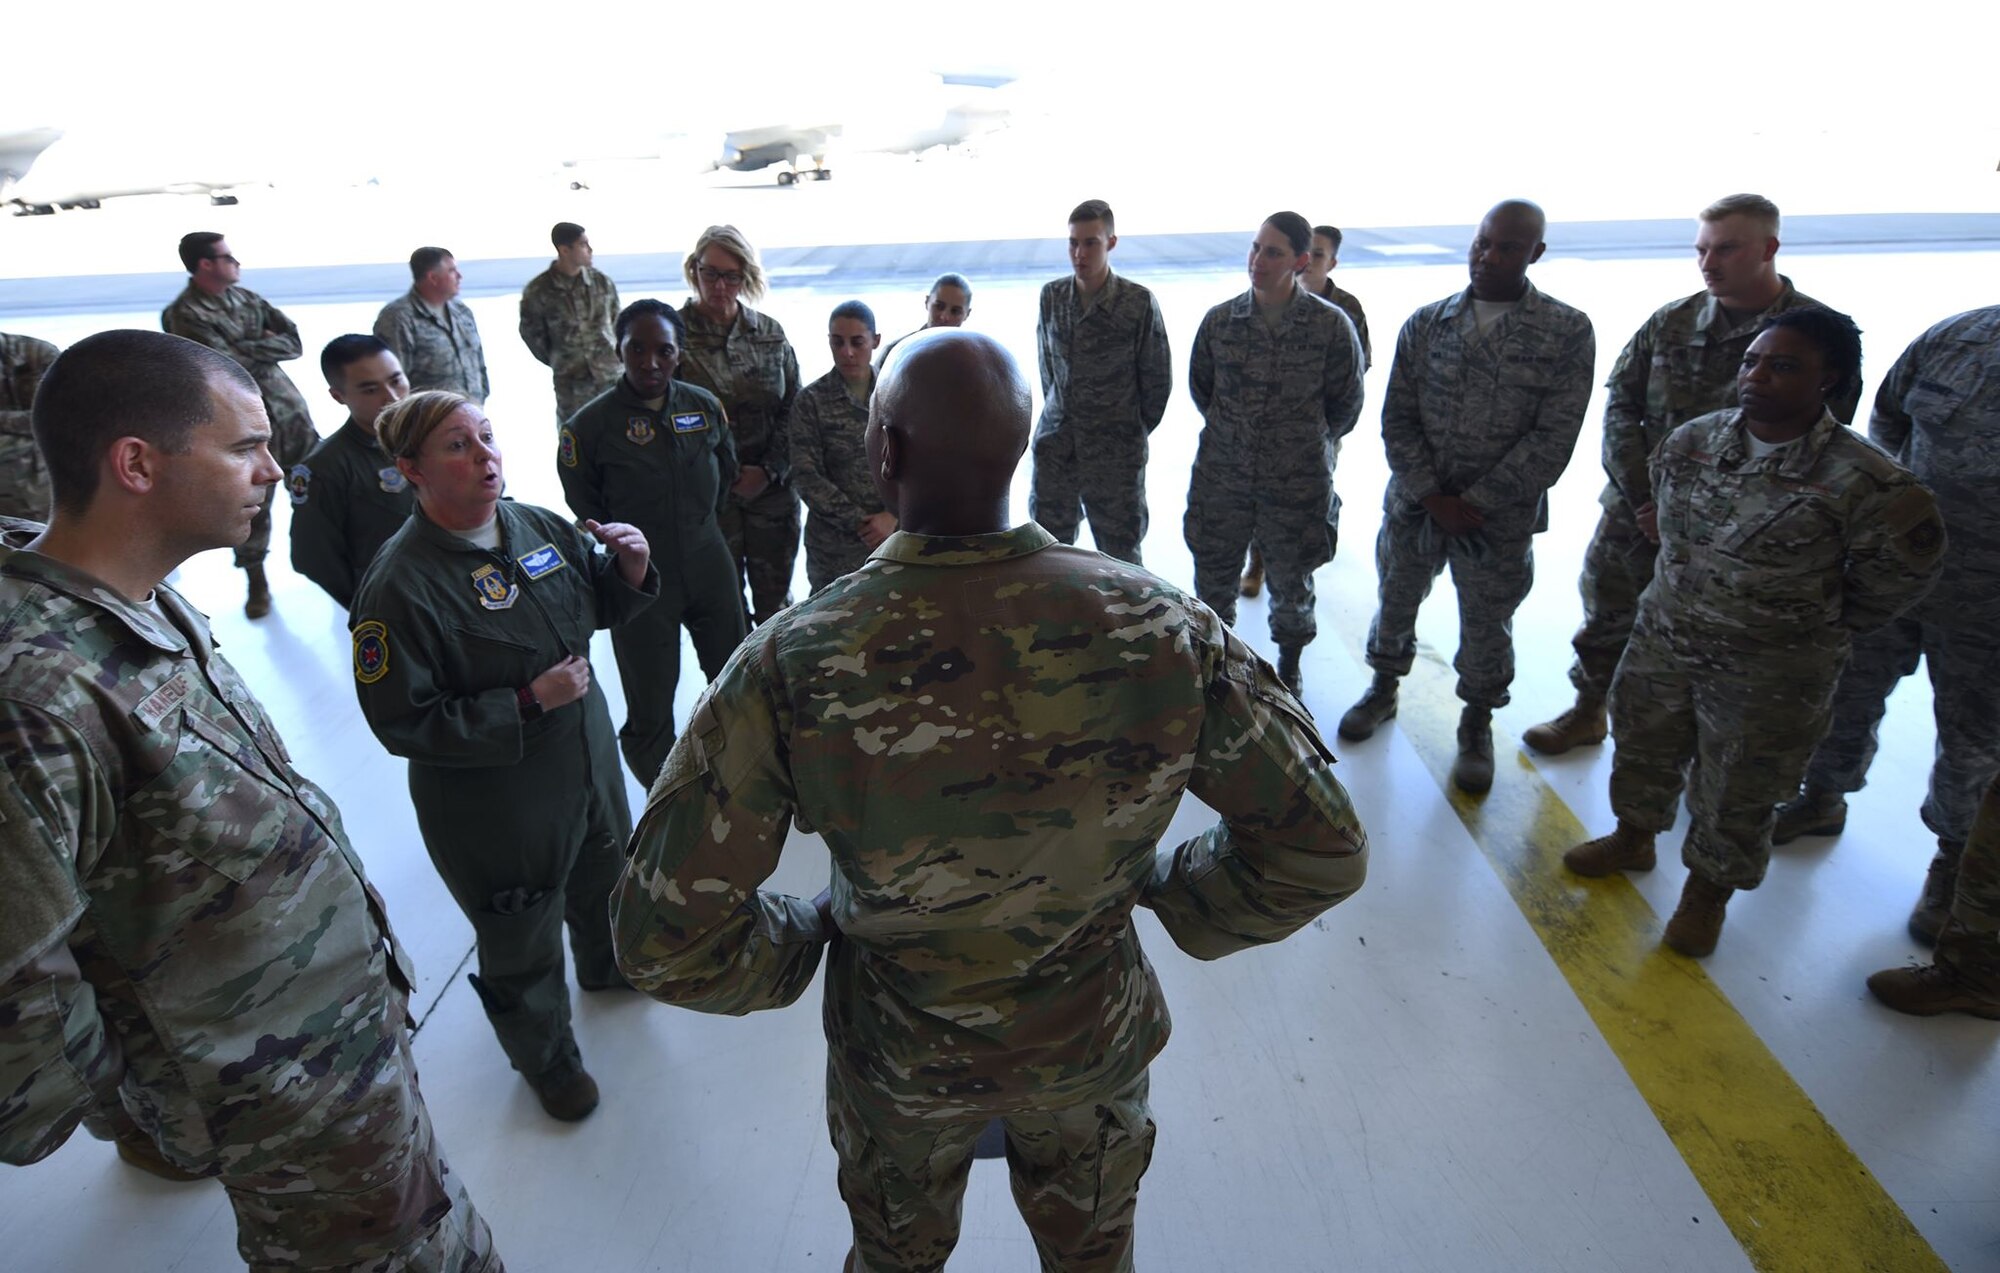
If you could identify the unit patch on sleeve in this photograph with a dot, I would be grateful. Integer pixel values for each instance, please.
(566, 449)
(297, 483)
(371, 652)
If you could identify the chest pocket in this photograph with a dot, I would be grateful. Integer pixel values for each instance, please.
(216, 800)
(759, 367)
(1795, 537)
(484, 659)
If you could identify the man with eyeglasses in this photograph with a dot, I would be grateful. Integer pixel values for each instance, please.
(216, 311)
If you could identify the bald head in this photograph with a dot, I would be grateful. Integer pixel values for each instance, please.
(947, 426)
(1508, 241)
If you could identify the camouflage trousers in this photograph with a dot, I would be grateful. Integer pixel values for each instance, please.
(1077, 476)
(1616, 569)
(1733, 730)
(290, 444)
(572, 392)
(1955, 635)
(1970, 942)
(1075, 1174)
(1296, 531)
(419, 1219)
(1491, 574)
(763, 536)
(832, 551)
(698, 592)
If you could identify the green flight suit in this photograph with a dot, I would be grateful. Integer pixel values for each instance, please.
(666, 472)
(526, 820)
(347, 499)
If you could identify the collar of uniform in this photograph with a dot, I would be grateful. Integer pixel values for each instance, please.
(1531, 300)
(963, 550)
(452, 541)
(746, 320)
(1796, 461)
(1105, 294)
(17, 560)
(360, 437)
(1245, 306)
(1711, 309)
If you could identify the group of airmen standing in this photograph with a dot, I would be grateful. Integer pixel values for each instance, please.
(1759, 580)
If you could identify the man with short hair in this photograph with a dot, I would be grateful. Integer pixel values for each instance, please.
(218, 312)
(1318, 278)
(192, 960)
(347, 496)
(845, 519)
(567, 312)
(991, 731)
(432, 332)
(1938, 413)
(1106, 374)
(1485, 400)
(947, 304)
(1681, 363)
(24, 476)
(1276, 374)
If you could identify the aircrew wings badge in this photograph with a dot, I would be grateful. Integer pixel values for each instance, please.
(542, 561)
(495, 591)
(371, 652)
(639, 429)
(691, 422)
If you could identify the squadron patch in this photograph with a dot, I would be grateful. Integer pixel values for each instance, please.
(494, 589)
(542, 561)
(371, 652)
(392, 480)
(691, 422)
(297, 482)
(566, 449)
(639, 429)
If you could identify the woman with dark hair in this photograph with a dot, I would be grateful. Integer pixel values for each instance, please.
(471, 658)
(1782, 536)
(657, 453)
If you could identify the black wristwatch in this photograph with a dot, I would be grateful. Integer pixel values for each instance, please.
(531, 707)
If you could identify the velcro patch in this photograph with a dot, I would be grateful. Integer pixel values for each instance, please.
(371, 652)
(158, 705)
(298, 483)
(541, 561)
(566, 449)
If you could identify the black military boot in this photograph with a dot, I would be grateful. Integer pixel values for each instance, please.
(1288, 668)
(1371, 710)
(1472, 772)
(1927, 920)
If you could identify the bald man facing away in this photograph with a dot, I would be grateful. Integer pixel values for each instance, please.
(992, 731)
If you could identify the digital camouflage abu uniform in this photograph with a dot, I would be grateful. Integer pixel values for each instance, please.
(1274, 409)
(256, 334)
(567, 322)
(348, 498)
(1768, 568)
(1938, 413)
(191, 957)
(665, 472)
(525, 820)
(1350, 305)
(831, 474)
(1492, 419)
(1106, 375)
(1681, 363)
(437, 350)
(24, 475)
(991, 733)
(750, 367)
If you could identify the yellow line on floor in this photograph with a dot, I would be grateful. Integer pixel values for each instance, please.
(1783, 1180)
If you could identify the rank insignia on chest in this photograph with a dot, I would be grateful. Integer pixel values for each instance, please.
(639, 429)
(566, 449)
(297, 483)
(691, 422)
(542, 561)
(391, 479)
(371, 652)
(495, 592)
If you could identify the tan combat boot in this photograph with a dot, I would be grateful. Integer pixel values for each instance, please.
(1626, 849)
(1371, 710)
(1583, 723)
(1811, 812)
(1940, 884)
(566, 1092)
(1472, 772)
(259, 602)
(1697, 921)
(1253, 574)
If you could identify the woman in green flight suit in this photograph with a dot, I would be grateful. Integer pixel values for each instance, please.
(471, 637)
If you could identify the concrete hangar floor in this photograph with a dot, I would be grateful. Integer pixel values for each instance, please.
(1477, 1063)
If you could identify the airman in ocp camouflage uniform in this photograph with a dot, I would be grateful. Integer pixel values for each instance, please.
(1485, 401)
(567, 313)
(432, 332)
(24, 477)
(1681, 363)
(1276, 374)
(192, 960)
(991, 731)
(1106, 374)
(1938, 413)
(1774, 555)
(214, 311)
(830, 470)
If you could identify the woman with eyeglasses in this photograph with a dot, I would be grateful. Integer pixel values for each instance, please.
(743, 358)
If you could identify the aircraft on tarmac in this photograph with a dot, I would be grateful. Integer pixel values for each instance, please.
(904, 117)
(75, 176)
